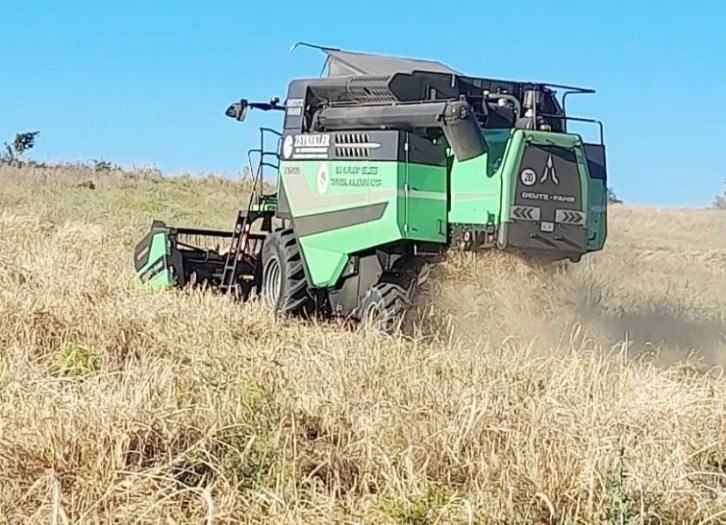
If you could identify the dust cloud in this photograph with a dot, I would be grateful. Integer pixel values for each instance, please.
(486, 299)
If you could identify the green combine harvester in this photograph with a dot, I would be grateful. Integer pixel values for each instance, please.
(383, 166)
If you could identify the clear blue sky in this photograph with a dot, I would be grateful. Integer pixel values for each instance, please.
(148, 82)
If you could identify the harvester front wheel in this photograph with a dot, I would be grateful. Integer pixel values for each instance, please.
(284, 287)
(383, 308)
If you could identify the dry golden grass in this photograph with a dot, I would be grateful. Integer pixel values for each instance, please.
(525, 395)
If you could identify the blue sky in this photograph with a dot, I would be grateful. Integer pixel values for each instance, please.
(148, 82)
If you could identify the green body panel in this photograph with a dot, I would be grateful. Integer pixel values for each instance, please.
(476, 184)
(162, 281)
(508, 171)
(158, 263)
(483, 188)
(344, 207)
(597, 223)
(341, 207)
(475, 194)
(424, 202)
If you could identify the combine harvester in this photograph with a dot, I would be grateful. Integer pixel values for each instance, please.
(383, 166)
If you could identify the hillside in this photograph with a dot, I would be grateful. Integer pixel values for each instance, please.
(523, 394)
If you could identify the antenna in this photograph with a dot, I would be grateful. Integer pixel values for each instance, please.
(315, 46)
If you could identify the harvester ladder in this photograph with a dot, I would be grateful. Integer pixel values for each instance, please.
(237, 249)
(240, 236)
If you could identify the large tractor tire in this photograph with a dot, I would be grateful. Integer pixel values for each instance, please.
(284, 286)
(383, 308)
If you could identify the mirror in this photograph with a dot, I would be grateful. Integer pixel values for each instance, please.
(238, 111)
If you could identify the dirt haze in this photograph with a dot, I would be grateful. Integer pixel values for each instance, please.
(487, 298)
(527, 394)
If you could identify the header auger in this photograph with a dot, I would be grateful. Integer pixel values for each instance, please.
(383, 166)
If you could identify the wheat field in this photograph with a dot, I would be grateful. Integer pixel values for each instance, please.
(589, 393)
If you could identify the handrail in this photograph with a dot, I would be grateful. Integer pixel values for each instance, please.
(581, 119)
(257, 174)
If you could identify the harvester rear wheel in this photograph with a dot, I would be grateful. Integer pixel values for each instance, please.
(284, 286)
(383, 307)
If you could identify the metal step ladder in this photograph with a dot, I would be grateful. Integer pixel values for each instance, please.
(240, 236)
(237, 250)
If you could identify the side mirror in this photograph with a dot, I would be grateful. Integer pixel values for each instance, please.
(238, 111)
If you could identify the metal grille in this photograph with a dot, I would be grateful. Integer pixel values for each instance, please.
(352, 145)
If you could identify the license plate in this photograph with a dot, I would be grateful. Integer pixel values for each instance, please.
(547, 227)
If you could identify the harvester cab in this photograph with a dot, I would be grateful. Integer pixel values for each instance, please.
(382, 167)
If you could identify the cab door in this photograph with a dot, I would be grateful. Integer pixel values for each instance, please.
(425, 190)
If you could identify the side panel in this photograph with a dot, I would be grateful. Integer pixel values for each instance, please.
(339, 208)
(151, 260)
(497, 141)
(597, 197)
(474, 192)
(507, 173)
(476, 184)
(423, 186)
(304, 150)
(425, 196)
(349, 192)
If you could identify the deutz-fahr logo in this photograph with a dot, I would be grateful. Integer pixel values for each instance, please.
(529, 177)
(534, 196)
(549, 172)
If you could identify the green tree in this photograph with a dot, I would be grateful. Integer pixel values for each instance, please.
(23, 143)
(612, 198)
